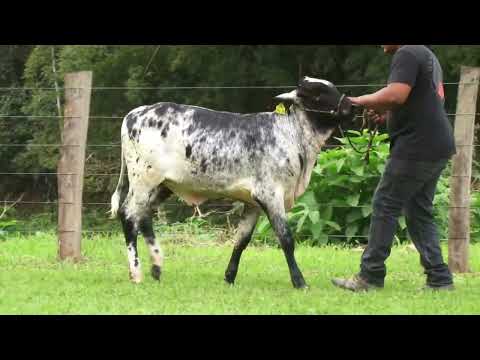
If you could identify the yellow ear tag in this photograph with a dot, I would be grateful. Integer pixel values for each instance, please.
(280, 109)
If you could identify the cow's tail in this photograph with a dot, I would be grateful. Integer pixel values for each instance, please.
(118, 196)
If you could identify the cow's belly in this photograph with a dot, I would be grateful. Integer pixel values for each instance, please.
(197, 194)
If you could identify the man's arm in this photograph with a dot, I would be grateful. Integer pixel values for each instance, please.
(388, 98)
(402, 79)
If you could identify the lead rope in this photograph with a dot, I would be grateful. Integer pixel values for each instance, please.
(365, 121)
(372, 134)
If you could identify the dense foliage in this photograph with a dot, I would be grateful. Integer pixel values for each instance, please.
(337, 206)
(128, 68)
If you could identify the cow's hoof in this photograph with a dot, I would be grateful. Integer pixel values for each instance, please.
(230, 278)
(299, 284)
(156, 272)
(136, 278)
(302, 287)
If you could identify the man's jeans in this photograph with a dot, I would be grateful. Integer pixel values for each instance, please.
(410, 186)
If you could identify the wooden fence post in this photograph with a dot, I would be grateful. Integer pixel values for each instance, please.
(71, 165)
(459, 222)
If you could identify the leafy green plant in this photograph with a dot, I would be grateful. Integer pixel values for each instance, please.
(337, 205)
(442, 203)
(7, 224)
(475, 220)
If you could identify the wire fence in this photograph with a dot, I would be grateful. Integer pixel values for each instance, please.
(220, 87)
(117, 145)
(122, 117)
(182, 235)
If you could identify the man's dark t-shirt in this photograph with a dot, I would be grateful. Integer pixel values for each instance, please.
(420, 129)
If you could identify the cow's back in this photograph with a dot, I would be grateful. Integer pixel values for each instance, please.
(206, 150)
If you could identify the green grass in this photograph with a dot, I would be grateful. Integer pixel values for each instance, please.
(32, 281)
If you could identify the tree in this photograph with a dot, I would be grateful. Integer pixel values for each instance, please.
(159, 66)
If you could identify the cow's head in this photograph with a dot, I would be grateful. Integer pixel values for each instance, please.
(320, 97)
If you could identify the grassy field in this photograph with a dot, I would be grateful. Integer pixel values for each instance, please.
(33, 282)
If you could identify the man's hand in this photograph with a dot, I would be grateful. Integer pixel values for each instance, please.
(377, 118)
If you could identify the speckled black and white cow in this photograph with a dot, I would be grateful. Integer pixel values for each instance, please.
(264, 160)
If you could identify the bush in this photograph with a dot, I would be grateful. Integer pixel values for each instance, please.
(442, 202)
(337, 206)
(7, 223)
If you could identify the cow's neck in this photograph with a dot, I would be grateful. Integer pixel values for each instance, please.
(314, 134)
(311, 139)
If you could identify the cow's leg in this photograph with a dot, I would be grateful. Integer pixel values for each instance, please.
(273, 205)
(242, 239)
(146, 227)
(132, 212)
(130, 230)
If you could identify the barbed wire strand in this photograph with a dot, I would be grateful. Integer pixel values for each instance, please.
(113, 174)
(161, 235)
(334, 206)
(220, 87)
(119, 145)
(122, 117)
